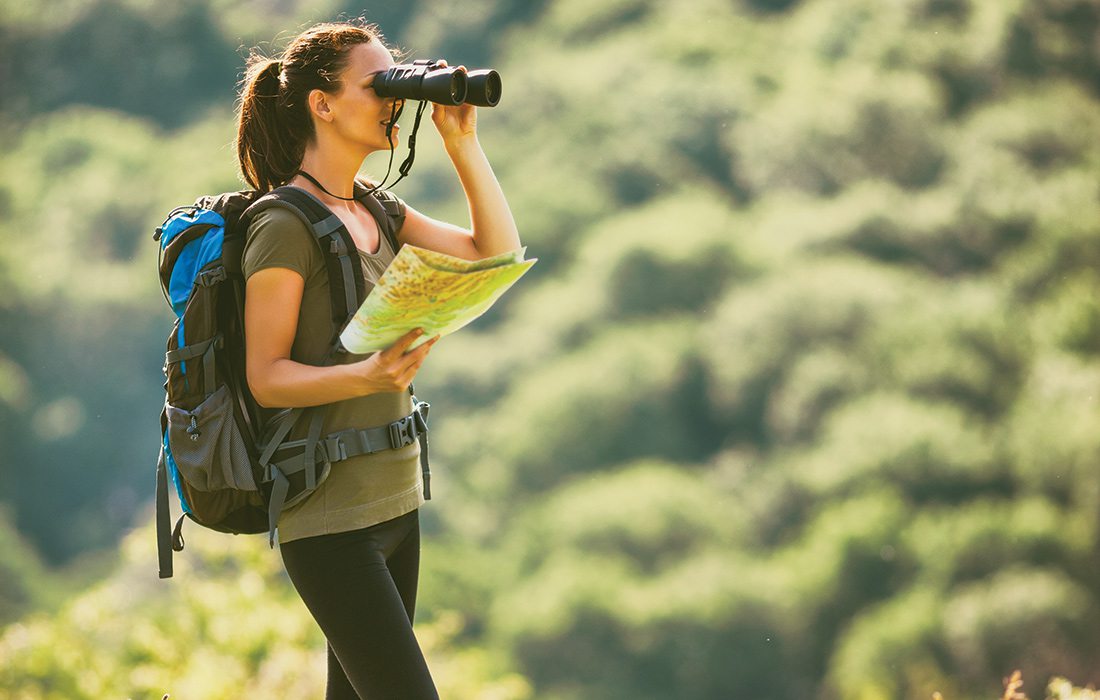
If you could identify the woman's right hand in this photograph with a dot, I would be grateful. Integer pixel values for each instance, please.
(393, 369)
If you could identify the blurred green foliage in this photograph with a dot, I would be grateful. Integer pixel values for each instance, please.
(801, 402)
(134, 636)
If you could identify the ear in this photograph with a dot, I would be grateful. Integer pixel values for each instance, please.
(319, 106)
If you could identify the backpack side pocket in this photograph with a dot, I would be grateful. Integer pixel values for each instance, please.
(207, 446)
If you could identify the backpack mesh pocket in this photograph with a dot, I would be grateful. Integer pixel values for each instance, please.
(208, 447)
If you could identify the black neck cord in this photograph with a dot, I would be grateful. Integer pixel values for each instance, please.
(395, 112)
(407, 165)
(312, 179)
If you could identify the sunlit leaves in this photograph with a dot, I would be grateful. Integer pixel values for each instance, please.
(800, 402)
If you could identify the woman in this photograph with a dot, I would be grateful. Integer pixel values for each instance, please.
(308, 119)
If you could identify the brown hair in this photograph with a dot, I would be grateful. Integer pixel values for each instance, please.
(273, 120)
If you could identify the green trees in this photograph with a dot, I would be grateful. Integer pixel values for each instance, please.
(861, 314)
(800, 402)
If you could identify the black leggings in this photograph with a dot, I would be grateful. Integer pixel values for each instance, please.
(360, 587)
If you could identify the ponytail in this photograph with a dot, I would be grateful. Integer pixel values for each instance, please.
(269, 149)
(274, 125)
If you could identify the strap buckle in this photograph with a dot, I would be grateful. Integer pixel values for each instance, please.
(289, 457)
(208, 278)
(403, 431)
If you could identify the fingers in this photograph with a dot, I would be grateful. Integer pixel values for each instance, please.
(402, 344)
(454, 120)
(409, 374)
(442, 63)
(393, 369)
(417, 357)
(411, 363)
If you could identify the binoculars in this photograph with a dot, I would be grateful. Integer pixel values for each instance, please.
(427, 80)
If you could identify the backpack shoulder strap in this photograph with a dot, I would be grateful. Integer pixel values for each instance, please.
(388, 211)
(340, 254)
(347, 288)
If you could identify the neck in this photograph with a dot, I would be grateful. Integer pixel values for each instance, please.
(335, 168)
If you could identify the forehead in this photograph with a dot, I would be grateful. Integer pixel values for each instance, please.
(366, 59)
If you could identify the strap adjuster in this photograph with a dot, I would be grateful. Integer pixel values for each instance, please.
(420, 415)
(336, 449)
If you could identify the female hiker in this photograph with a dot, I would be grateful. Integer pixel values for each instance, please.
(308, 118)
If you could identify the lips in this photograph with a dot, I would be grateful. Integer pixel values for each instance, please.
(397, 108)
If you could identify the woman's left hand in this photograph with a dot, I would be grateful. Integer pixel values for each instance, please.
(455, 123)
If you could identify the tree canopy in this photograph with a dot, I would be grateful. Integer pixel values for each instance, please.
(800, 402)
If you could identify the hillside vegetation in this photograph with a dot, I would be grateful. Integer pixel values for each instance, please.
(800, 402)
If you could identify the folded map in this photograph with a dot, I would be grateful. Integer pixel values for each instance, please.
(434, 291)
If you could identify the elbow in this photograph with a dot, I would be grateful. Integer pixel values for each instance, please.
(262, 400)
(484, 251)
(261, 392)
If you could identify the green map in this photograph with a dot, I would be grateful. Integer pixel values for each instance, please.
(434, 291)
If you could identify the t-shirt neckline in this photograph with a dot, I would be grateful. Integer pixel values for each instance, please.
(359, 200)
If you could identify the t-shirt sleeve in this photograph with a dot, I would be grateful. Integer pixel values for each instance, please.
(278, 238)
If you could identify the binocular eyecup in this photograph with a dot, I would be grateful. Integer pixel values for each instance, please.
(427, 80)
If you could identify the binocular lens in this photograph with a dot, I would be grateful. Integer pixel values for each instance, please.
(483, 88)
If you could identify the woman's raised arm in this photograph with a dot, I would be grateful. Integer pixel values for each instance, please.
(493, 228)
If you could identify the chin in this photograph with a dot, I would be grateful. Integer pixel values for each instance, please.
(381, 145)
(385, 145)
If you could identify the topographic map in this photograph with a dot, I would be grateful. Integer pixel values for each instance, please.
(437, 292)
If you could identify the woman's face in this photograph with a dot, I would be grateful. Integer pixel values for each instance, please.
(358, 114)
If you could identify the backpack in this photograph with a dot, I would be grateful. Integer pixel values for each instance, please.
(230, 461)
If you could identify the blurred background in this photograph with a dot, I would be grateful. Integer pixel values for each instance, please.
(800, 402)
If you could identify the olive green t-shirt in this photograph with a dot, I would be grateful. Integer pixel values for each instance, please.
(360, 491)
